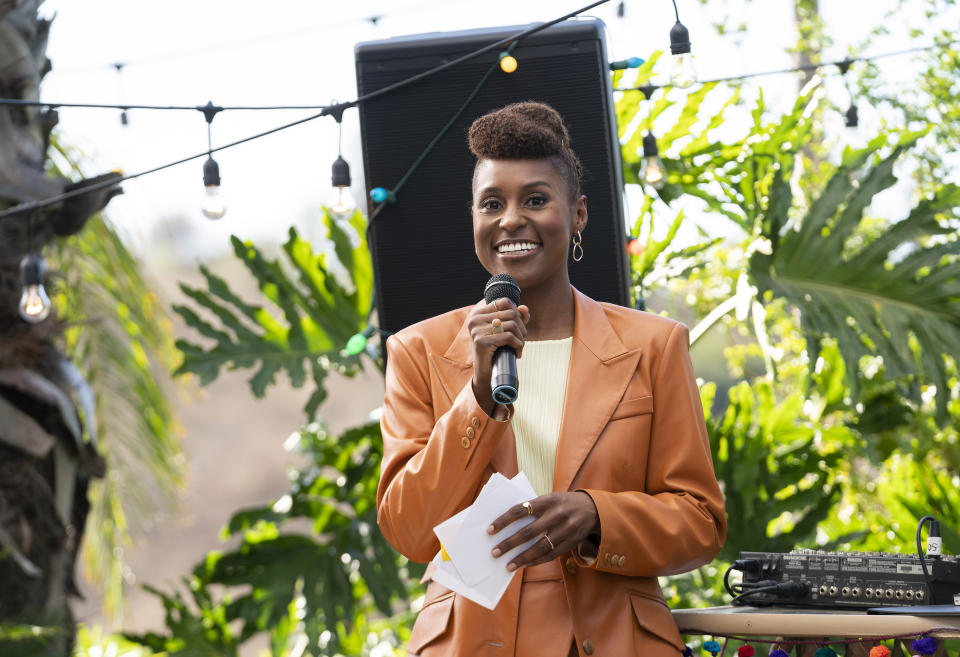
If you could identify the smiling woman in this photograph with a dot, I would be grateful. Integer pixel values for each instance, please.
(608, 428)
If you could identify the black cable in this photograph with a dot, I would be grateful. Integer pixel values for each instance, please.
(923, 564)
(726, 581)
(29, 206)
(17, 102)
(648, 88)
(476, 53)
(335, 111)
(676, 13)
(762, 589)
(801, 68)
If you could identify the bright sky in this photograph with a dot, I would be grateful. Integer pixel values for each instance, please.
(288, 52)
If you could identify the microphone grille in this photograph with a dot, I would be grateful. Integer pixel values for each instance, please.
(502, 285)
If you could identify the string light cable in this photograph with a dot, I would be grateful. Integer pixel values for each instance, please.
(845, 62)
(330, 110)
(632, 62)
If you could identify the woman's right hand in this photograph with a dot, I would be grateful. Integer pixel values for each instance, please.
(513, 320)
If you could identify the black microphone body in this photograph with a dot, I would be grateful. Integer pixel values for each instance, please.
(504, 382)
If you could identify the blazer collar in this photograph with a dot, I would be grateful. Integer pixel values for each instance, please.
(600, 369)
(590, 327)
(601, 366)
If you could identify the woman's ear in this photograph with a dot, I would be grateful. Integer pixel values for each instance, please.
(580, 220)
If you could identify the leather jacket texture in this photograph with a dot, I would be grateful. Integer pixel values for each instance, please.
(632, 437)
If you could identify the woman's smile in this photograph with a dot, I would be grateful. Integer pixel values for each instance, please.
(517, 249)
(523, 218)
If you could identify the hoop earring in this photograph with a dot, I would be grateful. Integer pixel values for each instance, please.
(577, 248)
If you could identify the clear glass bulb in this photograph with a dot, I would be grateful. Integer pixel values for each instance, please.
(213, 206)
(683, 74)
(653, 171)
(34, 303)
(342, 203)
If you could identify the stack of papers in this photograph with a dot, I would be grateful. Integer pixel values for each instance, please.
(464, 563)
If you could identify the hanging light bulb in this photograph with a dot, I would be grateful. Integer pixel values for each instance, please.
(213, 206)
(34, 302)
(653, 170)
(341, 203)
(508, 63)
(683, 74)
(851, 117)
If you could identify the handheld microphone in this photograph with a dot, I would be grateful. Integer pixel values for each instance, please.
(504, 382)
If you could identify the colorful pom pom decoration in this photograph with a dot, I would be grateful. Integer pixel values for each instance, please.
(712, 647)
(783, 653)
(825, 651)
(746, 650)
(687, 651)
(879, 651)
(925, 646)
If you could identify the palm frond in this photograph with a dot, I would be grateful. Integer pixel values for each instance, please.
(120, 340)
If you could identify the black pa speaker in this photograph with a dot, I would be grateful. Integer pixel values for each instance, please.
(422, 244)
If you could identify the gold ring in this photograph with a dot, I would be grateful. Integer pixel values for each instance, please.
(496, 325)
(526, 505)
(552, 548)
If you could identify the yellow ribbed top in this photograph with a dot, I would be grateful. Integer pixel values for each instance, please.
(539, 408)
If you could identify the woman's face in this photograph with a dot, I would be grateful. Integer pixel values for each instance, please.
(523, 220)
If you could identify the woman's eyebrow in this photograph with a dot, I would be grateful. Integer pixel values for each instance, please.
(537, 183)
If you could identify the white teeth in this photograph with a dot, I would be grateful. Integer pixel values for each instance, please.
(515, 247)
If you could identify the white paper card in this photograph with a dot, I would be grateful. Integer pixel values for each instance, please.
(472, 571)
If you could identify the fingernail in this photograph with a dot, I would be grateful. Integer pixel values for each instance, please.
(495, 552)
(491, 529)
(511, 566)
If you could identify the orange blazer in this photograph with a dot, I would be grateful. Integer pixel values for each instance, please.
(632, 436)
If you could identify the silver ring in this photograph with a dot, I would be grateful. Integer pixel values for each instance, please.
(552, 548)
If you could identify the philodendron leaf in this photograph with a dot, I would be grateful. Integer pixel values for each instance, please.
(302, 323)
(866, 294)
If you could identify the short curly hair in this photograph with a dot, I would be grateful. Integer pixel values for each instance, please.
(527, 130)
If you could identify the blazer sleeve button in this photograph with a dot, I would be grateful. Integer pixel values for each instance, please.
(470, 432)
(622, 560)
(465, 442)
(475, 421)
(588, 646)
(571, 566)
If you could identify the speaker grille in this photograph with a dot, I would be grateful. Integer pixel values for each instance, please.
(422, 245)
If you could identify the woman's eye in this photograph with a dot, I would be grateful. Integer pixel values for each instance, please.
(490, 204)
(537, 201)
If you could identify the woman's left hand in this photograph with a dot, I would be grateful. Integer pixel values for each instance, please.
(565, 518)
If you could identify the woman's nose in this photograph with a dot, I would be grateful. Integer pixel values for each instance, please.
(512, 218)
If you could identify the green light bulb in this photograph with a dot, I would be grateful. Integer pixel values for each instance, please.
(356, 344)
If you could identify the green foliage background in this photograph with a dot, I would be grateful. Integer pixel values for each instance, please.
(830, 332)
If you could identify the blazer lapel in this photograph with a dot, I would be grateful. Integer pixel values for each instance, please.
(600, 369)
(454, 370)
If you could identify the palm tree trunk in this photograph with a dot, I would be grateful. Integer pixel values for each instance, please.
(44, 464)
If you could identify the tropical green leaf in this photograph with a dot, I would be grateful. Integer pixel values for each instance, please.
(333, 576)
(777, 465)
(318, 300)
(869, 297)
